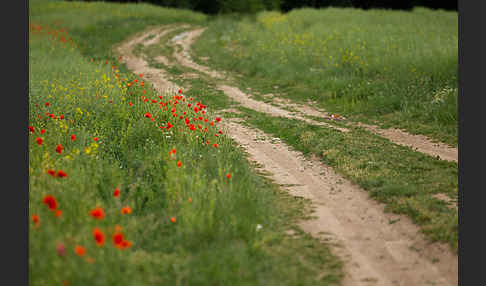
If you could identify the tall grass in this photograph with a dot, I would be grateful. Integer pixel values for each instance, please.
(200, 215)
(396, 67)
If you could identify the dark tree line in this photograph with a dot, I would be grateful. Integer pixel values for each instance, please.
(251, 6)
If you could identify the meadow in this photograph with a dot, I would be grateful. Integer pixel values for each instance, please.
(128, 186)
(131, 187)
(390, 68)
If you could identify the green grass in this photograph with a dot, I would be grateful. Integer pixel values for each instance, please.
(214, 240)
(392, 68)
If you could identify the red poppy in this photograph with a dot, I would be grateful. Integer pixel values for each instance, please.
(125, 244)
(62, 116)
(97, 213)
(179, 164)
(42, 131)
(126, 210)
(116, 193)
(180, 90)
(59, 148)
(51, 172)
(148, 115)
(218, 119)
(39, 140)
(173, 151)
(81, 251)
(173, 219)
(35, 219)
(73, 137)
(130, 103)
(215, 145)
(31, 129)
(61, 174)
(95, 139)
(50, 201)
(47, 103)
(228, 175)
(99, 236)
(58, 213)
(141, 75)
(117, 238)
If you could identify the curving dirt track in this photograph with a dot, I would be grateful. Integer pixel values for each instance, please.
(375, 250)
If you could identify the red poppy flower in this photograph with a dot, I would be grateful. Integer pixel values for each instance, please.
(125, 244)
(95, 139)
(116, 193)
(130, 103)
(61, 174)
(58, 213)
(97, 213)
(180, 90)
(81, 251)
(50, 201)
(148, 115)
(179, 164)
(117, 238)
(47, 103)
(39, 140)
(126, 210)
(228, 175)
(215, 145)
(141, 75)
(31, 129)
(173, 151)
(35, 219)
(73, 137)
(99, 236)
(62, 116)
(42, 131)
(173, 219)
(218, 119)
(59, 148)
(51, 172)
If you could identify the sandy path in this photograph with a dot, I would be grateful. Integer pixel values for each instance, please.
(375, 251)
(416, 142)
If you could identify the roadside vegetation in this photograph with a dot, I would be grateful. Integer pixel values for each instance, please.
(131, 187)
(390, 68)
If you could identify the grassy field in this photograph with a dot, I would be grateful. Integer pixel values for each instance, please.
(392, 68)
(118, 196)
